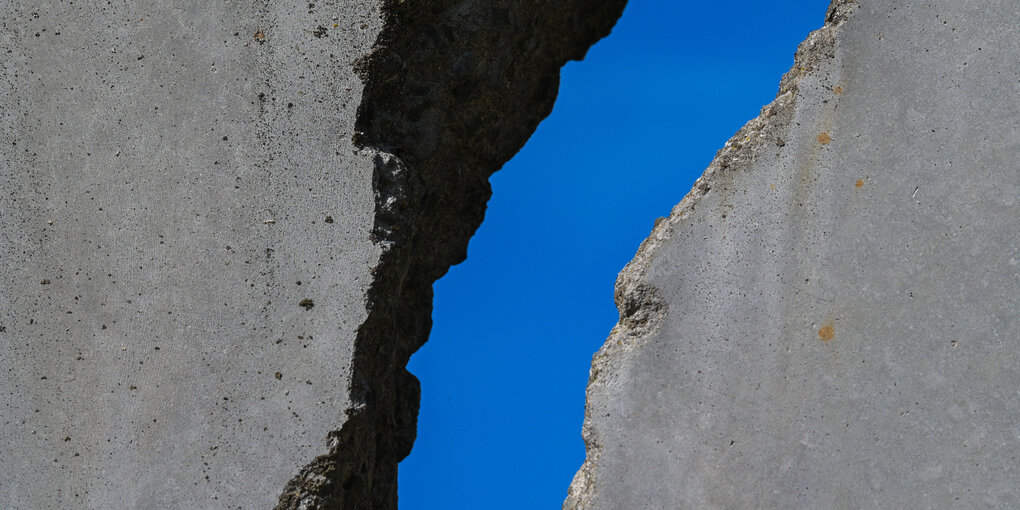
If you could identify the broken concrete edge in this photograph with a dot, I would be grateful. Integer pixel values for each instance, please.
(453, 90)
(641, 307)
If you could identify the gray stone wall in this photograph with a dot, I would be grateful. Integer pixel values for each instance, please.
(829, 319)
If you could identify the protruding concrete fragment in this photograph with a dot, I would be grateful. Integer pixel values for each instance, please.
(829, 319)
(210, 285)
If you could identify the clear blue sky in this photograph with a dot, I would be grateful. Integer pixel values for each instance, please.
(504, 373)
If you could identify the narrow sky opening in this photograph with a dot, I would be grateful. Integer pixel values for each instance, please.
(504, 372)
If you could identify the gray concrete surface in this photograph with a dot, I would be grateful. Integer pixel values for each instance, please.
(830, 318)
(177, 177)
(222, 222)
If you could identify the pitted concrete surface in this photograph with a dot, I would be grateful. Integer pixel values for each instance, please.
(177, 178)
(830, 318)
(220, 243)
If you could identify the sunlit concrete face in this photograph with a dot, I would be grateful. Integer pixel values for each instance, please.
(186, 247)
(834, 310)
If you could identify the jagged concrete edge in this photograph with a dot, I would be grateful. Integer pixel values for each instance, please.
(640, 305)
(445, 105)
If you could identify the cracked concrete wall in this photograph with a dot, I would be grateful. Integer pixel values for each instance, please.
(829, 319)
(222, 223)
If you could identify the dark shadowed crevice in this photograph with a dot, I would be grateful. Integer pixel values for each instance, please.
(453, 89)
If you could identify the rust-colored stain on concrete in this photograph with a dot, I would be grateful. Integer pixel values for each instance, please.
(826, 333)
(824, 138)
(859, 183)
(837, 90)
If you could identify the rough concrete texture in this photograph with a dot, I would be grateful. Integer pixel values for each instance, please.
(829, 319)
(222, 223)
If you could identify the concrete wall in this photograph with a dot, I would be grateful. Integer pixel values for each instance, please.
(829, 319)
(222, 221)
(178, 177)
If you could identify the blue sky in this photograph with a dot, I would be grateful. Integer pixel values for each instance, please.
(515, 326)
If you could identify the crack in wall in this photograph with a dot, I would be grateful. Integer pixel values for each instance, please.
(453, 89)
(641, 306)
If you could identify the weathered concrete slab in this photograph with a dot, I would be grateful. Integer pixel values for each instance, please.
(178, 177)
(222, 221)
(829, 319)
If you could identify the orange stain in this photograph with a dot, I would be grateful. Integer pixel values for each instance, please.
(824, 138)
(838, 90)
(859, 183)
(826, 333)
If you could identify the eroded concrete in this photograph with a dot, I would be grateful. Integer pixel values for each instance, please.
(178, 177)
(222, 224)
(829, 319)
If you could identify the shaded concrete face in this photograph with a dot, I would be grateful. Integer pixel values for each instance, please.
(829, 319)
(220, 243)
(178, 177)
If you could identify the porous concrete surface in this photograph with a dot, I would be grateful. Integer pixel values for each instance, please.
(222, 224)
(829, 319)
(178, 177)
